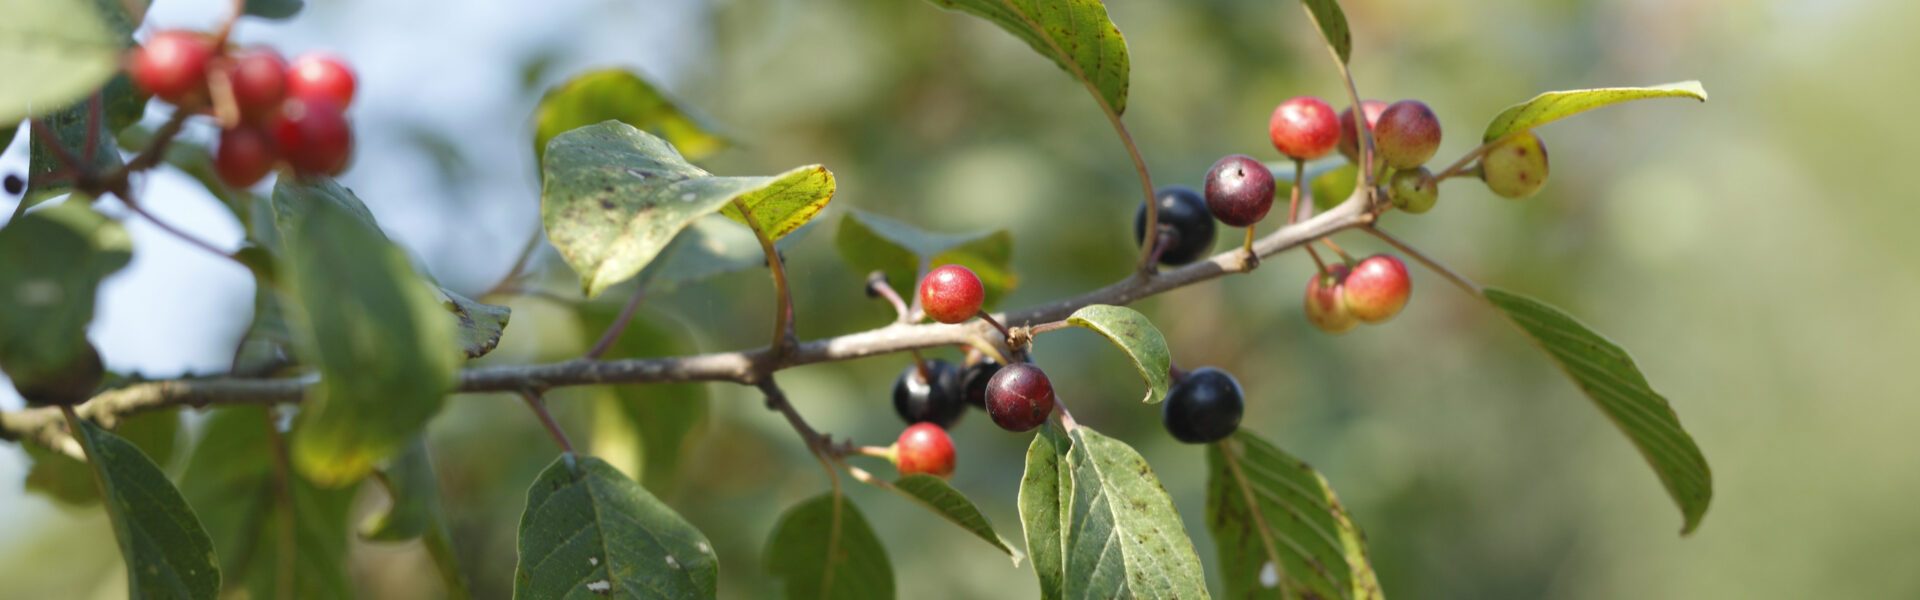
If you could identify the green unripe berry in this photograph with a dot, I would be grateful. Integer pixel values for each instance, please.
(1516, 168)
(1414, 191)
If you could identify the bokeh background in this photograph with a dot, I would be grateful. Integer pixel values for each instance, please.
(1753, 252)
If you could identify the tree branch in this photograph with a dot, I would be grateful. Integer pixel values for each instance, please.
(747, 367)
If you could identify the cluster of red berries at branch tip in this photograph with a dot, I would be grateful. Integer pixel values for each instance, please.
(271, 111)
(1370, 291)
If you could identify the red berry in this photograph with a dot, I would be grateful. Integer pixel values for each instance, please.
(1350, 137)
(1239, 190)
(1407, 134)
(1378, 288)
(320, 75)
(173, 66)
(1304, 128)
(259, 79)
(1019, 397)
(312, 134)
(1326, 301)
(245, 155)
(951, 294)
(924, 448)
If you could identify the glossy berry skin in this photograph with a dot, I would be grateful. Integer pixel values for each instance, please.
(244, 156)
(313, 136)
(973, 382)
(1414, 191)
(1349, 136)
(951, 294)
(1304, 128)
(1204, 407)
(1019, 397)
(1517, 168)
(320, 75)
(259, 79)
(173, 66)
(1185, 220)
(1239, 190)
(1377, 288)
(924, 448)
(938, 401)
(1408, 134)
(1326, 301)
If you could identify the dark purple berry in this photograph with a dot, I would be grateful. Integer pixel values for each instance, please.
(1185, 221)
(1239, 190)
(1019, 397)
(938, 401)
(1204, 407)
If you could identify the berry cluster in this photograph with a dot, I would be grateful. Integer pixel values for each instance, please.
(292, 112)
(1372, 291)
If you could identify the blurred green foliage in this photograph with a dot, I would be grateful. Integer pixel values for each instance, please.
(1752, 253)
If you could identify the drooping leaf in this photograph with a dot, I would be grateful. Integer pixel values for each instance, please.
(645, 429)
(624, 96)
(777, 210)
(1074, 34)
(378, 336)
(275, 9)
(414, 496)
(1280, 531)
(824, 550)
(1332, 23)
(870, 242)
(232, 477)
(1608, 376)
(614, 196)
(58, 51)
(1133, 333)
(51, 263)
(1551, 106)
(934, 494)
(1100, 525)
(69, 480)
(590, 532)
(477, 325)
(168, 553)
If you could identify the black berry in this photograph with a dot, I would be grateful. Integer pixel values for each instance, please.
(1019, 397)
(15, 184)
(1204, 407)
(1185, 220)
(973, 382)
(935, 400)
(1239, 190)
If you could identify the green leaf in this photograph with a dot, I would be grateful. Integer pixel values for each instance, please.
(934, 494)
(1075, 34)
(232, 477)
(168, 553)
(824, 549)
(1132, 332)
(1332, 22)
(870, 242)
(1265, 507)
(59, 50)
(1100, 525)
(779, 209)
(51, 263)
(620, 95)
(1608, 376)
(378, 336)
(1333, 187)
(1552, 106)
(477, 324)
(414, 496)
(69, 480)
(274, 9)
(644, 430)
(590, 532)
(710, 247)
(614, 196)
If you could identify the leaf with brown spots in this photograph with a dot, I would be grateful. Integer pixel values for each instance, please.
(1136, 335)
(1099, 524)
(1279, 529)
(1075, 34)
(655, 193)
(589, 528)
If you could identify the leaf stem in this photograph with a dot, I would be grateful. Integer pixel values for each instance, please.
(1456, 278)
(783, 337)
(440, 546)
(282, 495)
(618, 326)
(538, 402)
(996, 325)
(877, 286)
